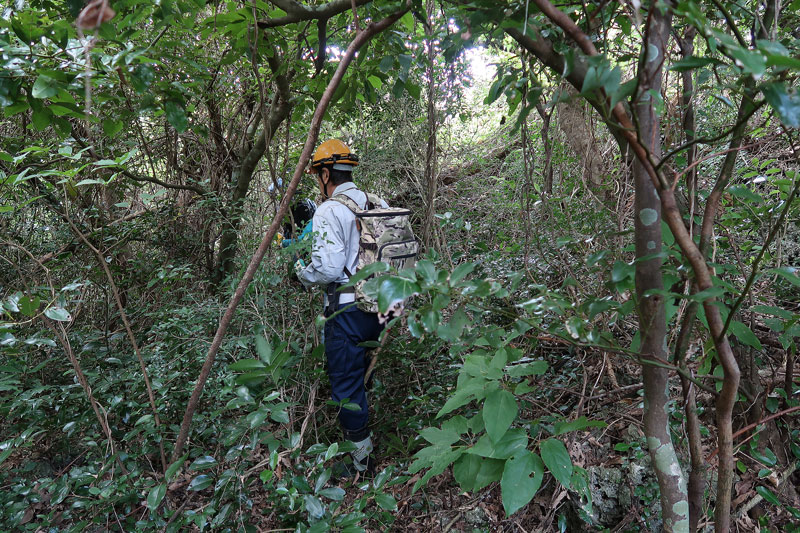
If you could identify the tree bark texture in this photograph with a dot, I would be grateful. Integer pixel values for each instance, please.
(651, 308)
(579, 137)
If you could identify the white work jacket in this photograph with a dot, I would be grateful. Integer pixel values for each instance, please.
(335, 241)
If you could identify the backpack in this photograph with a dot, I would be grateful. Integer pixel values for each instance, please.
(385, 234)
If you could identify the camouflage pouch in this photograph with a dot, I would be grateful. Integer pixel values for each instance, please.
(385, 235)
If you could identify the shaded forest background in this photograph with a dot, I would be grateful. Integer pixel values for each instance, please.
(605, 314)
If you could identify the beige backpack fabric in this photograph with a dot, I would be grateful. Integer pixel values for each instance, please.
(385, 235)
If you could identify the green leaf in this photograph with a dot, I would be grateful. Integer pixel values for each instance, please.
(517, 485)
(112, 127)
(395, 289)
(556, 457)
(202, 463)
(451, 331)
(386, 501)
(499, 411)
(460, 272)
(510, 444)
(44, 87)
(440, 436)
(559, 428)
(246, 365)
(773, 311)
(375, 81)
(691, 63)
(315, 508)
(176, 116)
(333, 493)
(787, 273)
(621, 271)
(58, 314)
(744, 334)
(367, 272)
(174, 467)
(786, 105)
(473, 472)
(264, 349)
(29, 307)
(155, 496)
(768, 495)
(201, 482)
(534, 368)
(750, 61)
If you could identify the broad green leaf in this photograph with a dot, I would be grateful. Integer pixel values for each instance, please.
(473, 472)
(375, 81)
(202, 463)
(174, 467)
(44, 87)
(58, 314)
(499, 411)
(28, 306)
(436, 458)
(112, 127)
(440, 436)
(556, 457)
(463, 395)
(367, 272)
(773, 311)
(744, 334)
(768, 495)
(514, 441)
(386, 501)
(246, 365)
(787, 273)
(460, 272)
(176, 116)
(333, 493)
(691, 63)
(559, 428)
(395, 289)
(751, 61)
(451, 331)
(155, 496)
(264, 349)
(315, 508)
(786, 105)
(517, 485)
(621, 271)
(201, 482)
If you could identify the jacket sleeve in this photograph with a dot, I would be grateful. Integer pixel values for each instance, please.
(328, 253)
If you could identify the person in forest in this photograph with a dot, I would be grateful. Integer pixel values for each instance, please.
(334, 258)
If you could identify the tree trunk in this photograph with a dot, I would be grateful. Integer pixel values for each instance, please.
(580, 139)
(431, 177)
(242, 176)
(651, 310)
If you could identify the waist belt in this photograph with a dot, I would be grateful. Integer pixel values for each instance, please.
(336, 295)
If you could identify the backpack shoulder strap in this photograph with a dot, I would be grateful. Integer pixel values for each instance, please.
(347, 202)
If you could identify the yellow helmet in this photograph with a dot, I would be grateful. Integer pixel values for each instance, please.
(334, 152)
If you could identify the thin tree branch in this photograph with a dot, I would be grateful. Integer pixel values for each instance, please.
(297, 12)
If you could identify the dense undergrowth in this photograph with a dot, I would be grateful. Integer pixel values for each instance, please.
(510, 395)
(516, 336)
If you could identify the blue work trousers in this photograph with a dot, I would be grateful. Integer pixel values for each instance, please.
(347, 361)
